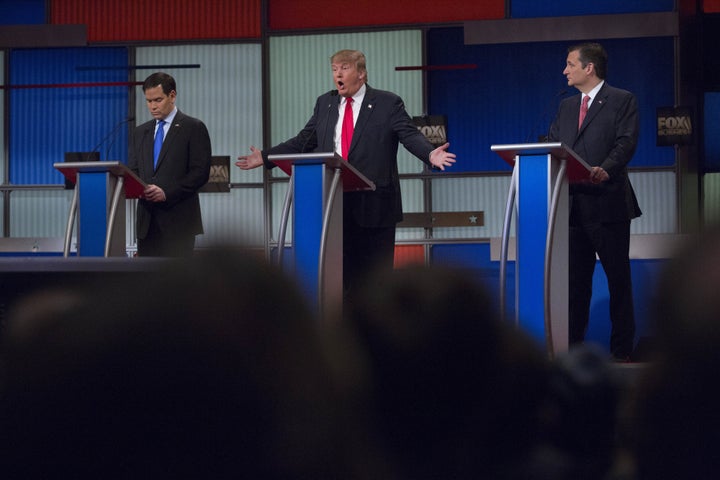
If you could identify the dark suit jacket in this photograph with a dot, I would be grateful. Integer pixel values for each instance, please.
(382, 124)
(607, 138)
(183, 167)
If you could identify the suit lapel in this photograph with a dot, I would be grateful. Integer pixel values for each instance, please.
(366, 110)
(597, 104)
(168, 141)
(147, 147)
(328, 136)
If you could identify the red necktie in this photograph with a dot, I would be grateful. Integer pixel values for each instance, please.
(347, 128)
(583, 110)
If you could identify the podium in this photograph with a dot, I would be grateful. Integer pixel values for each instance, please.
(317, 183)
(100, 190)
(541, 175)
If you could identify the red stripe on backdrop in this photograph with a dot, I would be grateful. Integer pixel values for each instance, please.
(294, 14)
(70, 85)
(160, 20)
(409, 255)
(711, 6)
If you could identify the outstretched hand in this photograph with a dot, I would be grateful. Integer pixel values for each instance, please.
(441, 158)
(248, 162)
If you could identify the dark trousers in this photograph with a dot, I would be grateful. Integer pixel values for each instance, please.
(366, 250)
(611, 242)
(159, 244)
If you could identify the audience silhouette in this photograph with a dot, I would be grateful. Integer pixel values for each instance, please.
(209, 368)
(674, 415)
(216, 367)
(452, 392)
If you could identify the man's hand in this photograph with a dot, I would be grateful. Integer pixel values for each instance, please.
(248, 162)
(598, 175)
(441, 158)
(153, 193)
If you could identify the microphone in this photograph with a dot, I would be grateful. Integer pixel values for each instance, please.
(112, 134)
(315, 130)
(114, 137)
(543, 116)
(332, 103)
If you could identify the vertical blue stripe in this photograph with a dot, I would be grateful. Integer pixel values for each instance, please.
(92, 213)
(531, 232)
(307, 215)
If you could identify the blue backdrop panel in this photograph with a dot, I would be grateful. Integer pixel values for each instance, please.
(513, 95)
(476, 258)
(560, 8)
(644, 276)
(712, 132)
(22, 12)
(51, 120)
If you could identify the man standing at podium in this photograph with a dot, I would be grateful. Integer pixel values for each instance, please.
(365, 126)
(172, 154)
(601, 125)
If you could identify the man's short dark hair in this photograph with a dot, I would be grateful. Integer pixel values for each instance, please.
(166, 81)
(592, 53)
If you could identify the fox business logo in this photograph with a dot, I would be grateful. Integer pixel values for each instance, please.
(219, 178)
(436, 134)
(433, 127)
(219, 174)
(674, 126)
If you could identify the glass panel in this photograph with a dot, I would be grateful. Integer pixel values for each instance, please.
(39, 213)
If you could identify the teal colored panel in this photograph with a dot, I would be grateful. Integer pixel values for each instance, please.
(225, 92)
(39, 213)
(300, 72)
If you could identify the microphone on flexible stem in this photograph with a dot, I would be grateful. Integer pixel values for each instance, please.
(315, 130)
(333, 94)
(544, 115)
(112, 132)
(114, 137)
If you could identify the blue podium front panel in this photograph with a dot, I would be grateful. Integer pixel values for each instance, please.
(532, 201)
(308, 221)
(93, 213)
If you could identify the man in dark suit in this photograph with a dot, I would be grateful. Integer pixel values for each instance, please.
(379, 124)
(604, 134)
(171, 153)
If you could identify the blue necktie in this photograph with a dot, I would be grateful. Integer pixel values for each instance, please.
(158, 141)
